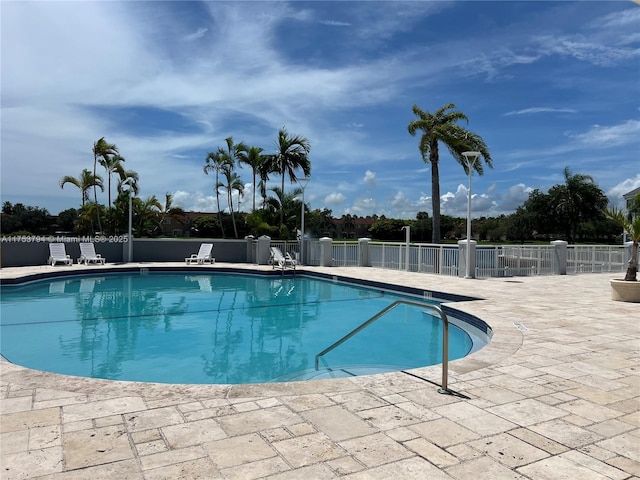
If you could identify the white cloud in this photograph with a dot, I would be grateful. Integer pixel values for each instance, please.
(616, 192)
(605, 136)
(526, 111)
(369, 178)
(335, 198)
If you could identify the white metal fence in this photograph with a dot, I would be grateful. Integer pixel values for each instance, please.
(490, 261)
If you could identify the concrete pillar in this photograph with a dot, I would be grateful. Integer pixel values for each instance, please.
(363, 252)
(462, 258)
(263, 253)
(326, 259)
(250, 239)
(560, 257)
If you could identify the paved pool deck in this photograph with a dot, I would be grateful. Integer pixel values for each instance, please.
(556, 395)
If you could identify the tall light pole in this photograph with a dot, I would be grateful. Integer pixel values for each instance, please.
(128, 182)
(303, 184)
(471, 158)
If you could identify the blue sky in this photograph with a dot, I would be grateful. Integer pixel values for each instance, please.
(546, 84)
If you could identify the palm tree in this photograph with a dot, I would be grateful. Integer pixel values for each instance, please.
(215, 162)
(578, 200)
(287, 203)
(254, 159)
(101, 150)
(233, 182)
(84, 182)
(168, 211)
(441, 126)
(112, 164)
(631, 225)
(146, 214)
(126, 175)
(292, 153)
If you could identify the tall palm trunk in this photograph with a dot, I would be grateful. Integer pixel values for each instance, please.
(435, 191)
(218, 201)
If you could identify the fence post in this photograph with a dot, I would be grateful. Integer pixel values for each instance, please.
(462, 259)
(250, 239)
(325, 252)
(363, 252)
(263, 253)
(560, 253)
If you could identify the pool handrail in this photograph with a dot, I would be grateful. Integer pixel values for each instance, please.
(445, 336)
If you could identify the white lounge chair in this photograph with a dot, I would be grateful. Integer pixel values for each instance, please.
(203, 255)
(88, 254)
(58, 253)
(280, 260)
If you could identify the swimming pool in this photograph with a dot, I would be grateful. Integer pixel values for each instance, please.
(203, 328)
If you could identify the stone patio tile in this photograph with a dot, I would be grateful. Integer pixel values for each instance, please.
(625, 464)
(14, 442)
(337, 423)
(12, 422)
(259, 469)
(458, 411)
(108, 421)
(376, 449)
(530, 386)
(632, 418)
(596, 452)
(578, 420)
(356, 401)
(625, 445)
(154, 418)
(171, 457)
(508, 450)
(560, 468)
(345, 465)
(414, 468)
(146, 435)
(592, 411)
(487, 424)
(126, 469)
(75, 426)
(429, 397)
(190, 407)
(149, 448)
(102, 408)
(299, 403)
(248, 422)
(245, 406)
(20, 392)
(300, 429)
(45, 437)
(268, 402)
(36, 462)
(599, 382)
(436, 455)
(308, 449)
(443, 432)
(97, 446)
(527, 412)
(463, 452)
(388, 417)
(315, 472)
(198, 469)
(539, 441)
(519, 371)
(630, 405)
(192, 433)
(483, 468)
(610, 428)
(230, 452)
(580, 458)
(418, 411)
(596, 395)
(16, 404)
(495, 394)
(212, 412)
(401, 434)
(566, 433)
(274, 434)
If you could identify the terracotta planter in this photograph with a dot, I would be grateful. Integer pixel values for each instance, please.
(622, 291)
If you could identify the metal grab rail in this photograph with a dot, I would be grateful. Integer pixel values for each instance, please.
(384, 311)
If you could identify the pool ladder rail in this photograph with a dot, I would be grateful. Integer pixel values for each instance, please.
(445, 336)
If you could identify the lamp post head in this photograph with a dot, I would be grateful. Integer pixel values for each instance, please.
(471, 155)
(303, 182)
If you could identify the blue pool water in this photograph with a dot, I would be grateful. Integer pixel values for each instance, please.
(213, 328)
